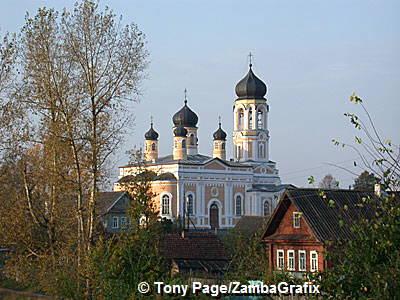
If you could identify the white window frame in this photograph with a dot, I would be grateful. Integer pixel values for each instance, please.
(280, 254)
(169, 204)
(296, 217)
(291, 266)
(124, 222)
(241, 204)
(305, 260)
(115, 223)
(193, 204)
(313, 261)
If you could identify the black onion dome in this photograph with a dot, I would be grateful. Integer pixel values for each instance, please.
(219, 134)
(151, 135)
(251, 87)
(186, 117)
(180, 131)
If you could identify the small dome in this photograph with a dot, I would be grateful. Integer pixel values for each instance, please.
(219, 134)
(251, 87)
(180, 131)
(186, 117)
(151, 135)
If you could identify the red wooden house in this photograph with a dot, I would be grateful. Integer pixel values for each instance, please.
(305, 220)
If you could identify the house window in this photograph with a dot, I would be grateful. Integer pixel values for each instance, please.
(190, 204)
(280, 260)
(302, 260)
(124, 222)
(266, 208)
(290, 260)
(238, 205)
(165, 205)
(115, 223)
(153, 146)
(296, 219)
(313, 261)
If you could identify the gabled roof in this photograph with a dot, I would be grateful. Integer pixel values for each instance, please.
(251, 225)
(321, 214)
(193, 246)
(107, 200)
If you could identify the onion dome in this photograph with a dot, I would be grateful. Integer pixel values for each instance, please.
(251, 87)
(180, 131)
(151, 135)
(219, 134)
(185, 116)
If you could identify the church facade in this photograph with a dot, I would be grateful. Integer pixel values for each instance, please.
(213, 191)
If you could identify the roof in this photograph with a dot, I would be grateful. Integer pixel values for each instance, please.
(321, 214)
(106, 200)
(151, 134)
(151, 176)
(194, 246)
(251, 87)
(250, 225)
(269, 187)
(197, 159)
(185, 116)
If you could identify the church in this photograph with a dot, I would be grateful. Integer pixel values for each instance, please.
(214, 191)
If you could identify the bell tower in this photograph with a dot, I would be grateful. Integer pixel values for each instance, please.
(250, 128)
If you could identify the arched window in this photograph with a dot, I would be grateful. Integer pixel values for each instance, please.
(239, 152)
(165, 205)
(223, 146)
(260, 119)
(176, 144)
(238, 205)
(215, 145)
(190, 204)
(183, 143)
(261, 151)
(250, 119)
(153, 146)
(191, 141)
(266, 210)
(240, 118)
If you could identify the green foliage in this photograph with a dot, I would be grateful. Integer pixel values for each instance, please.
(368, 267)
(366, 181)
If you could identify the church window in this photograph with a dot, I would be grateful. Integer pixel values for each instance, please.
(261, 153)
(239, 152)
(190, 204)
(250, 119)
(215, 145)
(260, 119)
(153, 146)
(240, 118)
(176, 144)
(192, 139)
(238, 205)
(223, 146)
(183, 143)
(165, 205)
(266, 210)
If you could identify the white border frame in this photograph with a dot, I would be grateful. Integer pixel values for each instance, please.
(277, 259)
(311, 255)
(288, 260)
(305, 260)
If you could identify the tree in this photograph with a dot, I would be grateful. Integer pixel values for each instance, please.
(78, 71)
(329, 182)
(366, 181)
(367, 266)
(120, 263)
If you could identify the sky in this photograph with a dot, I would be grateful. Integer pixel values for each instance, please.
(311, 54)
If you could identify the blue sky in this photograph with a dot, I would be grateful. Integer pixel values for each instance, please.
(311, 54)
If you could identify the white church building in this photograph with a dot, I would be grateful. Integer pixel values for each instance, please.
(213, 191)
